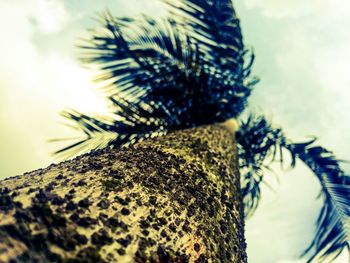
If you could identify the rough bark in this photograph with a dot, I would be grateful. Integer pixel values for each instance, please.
(170, 199)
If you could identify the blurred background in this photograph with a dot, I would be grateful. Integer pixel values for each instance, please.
(302, 57)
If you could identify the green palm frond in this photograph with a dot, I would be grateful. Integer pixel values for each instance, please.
(215, 25)
(134, 56)
(259, 142)
(333, 224)
(98, 132)
(159, 62)
(129, 123)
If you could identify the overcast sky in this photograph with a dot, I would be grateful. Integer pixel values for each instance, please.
(303, 60)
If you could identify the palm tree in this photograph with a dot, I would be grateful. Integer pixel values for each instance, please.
(189, 69)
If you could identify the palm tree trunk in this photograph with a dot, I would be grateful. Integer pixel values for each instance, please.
(170, 199)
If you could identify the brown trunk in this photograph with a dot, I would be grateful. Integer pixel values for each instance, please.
(171, 199)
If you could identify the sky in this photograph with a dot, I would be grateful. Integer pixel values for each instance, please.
(302, 57)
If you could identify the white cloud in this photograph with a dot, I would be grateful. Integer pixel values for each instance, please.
(35, 85)
(282, 227)
(39, 75)
(49, 15)
(283, 8)
(292, 261)
(314, 55)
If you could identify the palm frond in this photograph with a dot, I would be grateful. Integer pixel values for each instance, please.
(258, 141)
(154, 62)
(333, 224)
(258, 144)
(129, 123)
(98, 132)
(159, 60)
(142, 58)
(215, 25)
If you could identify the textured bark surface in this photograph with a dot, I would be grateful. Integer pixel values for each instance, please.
(170, 199)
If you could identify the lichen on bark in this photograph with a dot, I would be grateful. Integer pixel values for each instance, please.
(169, 199)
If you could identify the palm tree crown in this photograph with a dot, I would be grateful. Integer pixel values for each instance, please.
(193, 69)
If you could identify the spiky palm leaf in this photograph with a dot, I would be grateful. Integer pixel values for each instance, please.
(151, 60)
(259, 142)
(216, 28)
(214, 24)
(333, 224)
(159, 62)
(130, 122)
